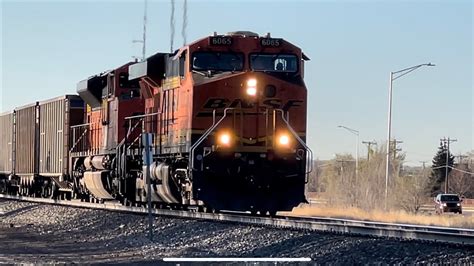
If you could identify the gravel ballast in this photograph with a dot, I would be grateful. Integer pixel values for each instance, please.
(34, 233)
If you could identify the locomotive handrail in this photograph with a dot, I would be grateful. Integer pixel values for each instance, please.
(80, 137)
(132, 128)
(129, 118)
(310, 166)
(141, 116)
(122, 149)
(207, 133)
(81, 125)
(134, 141)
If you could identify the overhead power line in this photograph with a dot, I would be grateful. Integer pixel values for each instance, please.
(462, 171)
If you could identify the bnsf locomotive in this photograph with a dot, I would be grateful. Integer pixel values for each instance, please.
(224, 118)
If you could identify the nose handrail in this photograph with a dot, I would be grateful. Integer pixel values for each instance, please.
(309, 159)
(309, 163)
(207, 133)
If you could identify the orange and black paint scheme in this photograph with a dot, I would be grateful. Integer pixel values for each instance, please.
(228, 118)
(110, 98)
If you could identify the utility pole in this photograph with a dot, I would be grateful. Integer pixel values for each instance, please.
(422, 172)
(461, 157)
(369, 145)
(394, 148)
(423, 162)
(342, 161)
(355, 132)
(446, 143)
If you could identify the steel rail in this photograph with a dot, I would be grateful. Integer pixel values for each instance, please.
(342, 226)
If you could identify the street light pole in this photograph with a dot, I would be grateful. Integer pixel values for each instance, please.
(389, 136)
(394, 76)
(355, 132)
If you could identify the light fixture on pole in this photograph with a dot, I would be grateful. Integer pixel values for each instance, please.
(355, 132)
(393, 76)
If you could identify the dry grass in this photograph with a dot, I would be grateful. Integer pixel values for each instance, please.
(449, 220)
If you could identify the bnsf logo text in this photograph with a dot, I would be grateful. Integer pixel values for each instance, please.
(221, 103)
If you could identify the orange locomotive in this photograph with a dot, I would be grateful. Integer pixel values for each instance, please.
(228, 118)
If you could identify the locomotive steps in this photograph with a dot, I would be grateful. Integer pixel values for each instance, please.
(342, 226)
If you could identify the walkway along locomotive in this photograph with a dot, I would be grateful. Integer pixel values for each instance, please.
(227, 115)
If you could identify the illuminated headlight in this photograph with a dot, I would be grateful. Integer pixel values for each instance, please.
(252, 91)
(459, 204)
(444, 204)
(252, 83)
(251, 87)
(224, 139)
(284, 140)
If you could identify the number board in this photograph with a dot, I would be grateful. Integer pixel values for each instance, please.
(220, 40)
(271, 42)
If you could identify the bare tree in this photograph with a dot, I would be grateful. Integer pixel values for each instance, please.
(367, 190)
(461, 182)
(411, 191)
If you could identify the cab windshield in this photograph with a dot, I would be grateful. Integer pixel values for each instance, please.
(226, 61)
(449, 198)
(274, 62)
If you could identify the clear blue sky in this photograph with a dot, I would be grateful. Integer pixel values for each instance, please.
(48, 46)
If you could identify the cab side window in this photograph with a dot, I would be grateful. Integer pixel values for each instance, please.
(182, 64)
(130, 88)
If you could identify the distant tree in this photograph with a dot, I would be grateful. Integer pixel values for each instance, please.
(438, 172)
(461, 182)
(314, 176)
(410, 191)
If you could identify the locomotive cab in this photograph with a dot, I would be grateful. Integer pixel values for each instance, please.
(111, 99)
(254, 100)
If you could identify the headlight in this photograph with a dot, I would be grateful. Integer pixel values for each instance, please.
(459, 204)
(252, 82)
(284, 140)
(444, 204)
(251, 87)
(224, 139)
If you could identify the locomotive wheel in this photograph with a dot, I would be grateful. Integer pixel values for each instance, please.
(211, 210)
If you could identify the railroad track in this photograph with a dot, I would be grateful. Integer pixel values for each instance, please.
(343, 226)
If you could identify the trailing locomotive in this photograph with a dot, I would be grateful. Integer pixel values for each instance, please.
(227, 116)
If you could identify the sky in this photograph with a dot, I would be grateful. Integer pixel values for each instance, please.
(48, 46)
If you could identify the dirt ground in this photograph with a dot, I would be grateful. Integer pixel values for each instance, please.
(55, 234)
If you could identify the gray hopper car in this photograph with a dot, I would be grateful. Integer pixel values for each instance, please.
(35, 142)
(6, 144)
